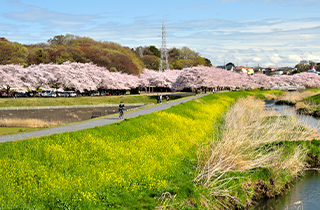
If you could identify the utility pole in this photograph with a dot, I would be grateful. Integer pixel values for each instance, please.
(164, 54)
(140, 51)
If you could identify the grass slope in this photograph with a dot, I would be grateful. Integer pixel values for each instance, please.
(13, 130)
(146, 162)
(122, 165)
(313, 99)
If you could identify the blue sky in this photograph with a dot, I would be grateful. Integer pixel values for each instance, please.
(245, 32)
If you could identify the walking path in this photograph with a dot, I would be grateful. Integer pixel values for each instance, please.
(93, 123)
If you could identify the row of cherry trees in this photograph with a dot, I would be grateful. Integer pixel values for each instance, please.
(92, 77)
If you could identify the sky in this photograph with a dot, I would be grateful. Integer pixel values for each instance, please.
(244, 32)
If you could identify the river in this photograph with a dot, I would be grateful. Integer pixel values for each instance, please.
(304, 193)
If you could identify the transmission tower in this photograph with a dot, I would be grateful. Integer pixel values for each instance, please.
(164, 54)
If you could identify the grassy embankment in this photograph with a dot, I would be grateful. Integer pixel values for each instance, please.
(146, 162)
(12, 126)
(255, 155)
(310, 105)
(128, 164)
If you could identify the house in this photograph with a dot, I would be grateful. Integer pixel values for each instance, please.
(277, 72)
(269, 71)
(313, 70)
(221, 67)
(259, 70)
(241, 70)
(286, 70)
(230, 67)
(250, 71)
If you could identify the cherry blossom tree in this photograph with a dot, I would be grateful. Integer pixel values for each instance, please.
(158, 79)
(87, 76)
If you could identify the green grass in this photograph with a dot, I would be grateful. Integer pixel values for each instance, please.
(314, 89)
(14, 130)
(262, 94)
(10, 102)
(313, 99)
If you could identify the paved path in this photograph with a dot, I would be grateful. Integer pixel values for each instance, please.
(92, 123)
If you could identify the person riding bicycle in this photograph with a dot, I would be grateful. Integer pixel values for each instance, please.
(121, 109)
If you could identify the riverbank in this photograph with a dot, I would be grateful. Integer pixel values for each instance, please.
(305, 102)
(256, 156)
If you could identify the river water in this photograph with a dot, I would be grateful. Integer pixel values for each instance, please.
(304, 193)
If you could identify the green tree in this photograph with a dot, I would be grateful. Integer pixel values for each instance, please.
(174, 54)
(151, 62)
(208, 62)
(6, 52)
(63, 57)
(188, 54)
(37, 55)
(182, 63)
(200, 61)
(302, 67)
(155, 51)
(58, 40)
(13, 53)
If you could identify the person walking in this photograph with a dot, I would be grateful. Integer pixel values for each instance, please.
(121, 109)
(167, 98)
(160, 98)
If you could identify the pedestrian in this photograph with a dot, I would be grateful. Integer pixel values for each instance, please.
(167, 98)
(160, 98)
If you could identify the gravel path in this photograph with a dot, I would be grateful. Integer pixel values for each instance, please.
(92, 123)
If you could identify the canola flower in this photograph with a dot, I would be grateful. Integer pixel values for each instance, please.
(90, 168)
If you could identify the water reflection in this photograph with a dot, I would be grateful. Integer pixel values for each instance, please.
(290, 111)
(305, 192)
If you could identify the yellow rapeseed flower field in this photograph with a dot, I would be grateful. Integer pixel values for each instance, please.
(114, 166)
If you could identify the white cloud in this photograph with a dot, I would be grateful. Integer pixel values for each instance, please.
(279, 41)
(33, 14)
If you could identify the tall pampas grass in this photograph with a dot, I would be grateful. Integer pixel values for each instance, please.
(244, 143)
(297, 95)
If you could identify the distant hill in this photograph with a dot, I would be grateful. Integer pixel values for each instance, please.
(113, 56)
(2, 39)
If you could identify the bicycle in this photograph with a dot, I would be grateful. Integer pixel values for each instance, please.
(121, 115)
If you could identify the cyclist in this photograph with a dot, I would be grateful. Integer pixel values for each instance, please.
(121, 109)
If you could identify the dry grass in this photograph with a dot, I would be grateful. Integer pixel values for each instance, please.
(297, 95)
(241, 145)
(31, 123)
(269, 96)
(302, 105)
